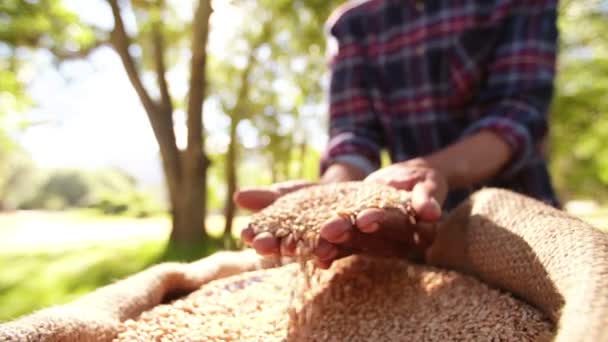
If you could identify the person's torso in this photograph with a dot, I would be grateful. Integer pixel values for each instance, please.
(430, 60)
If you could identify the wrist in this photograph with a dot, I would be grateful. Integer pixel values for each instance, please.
(342, 172)
(454, 170)
(472, 160)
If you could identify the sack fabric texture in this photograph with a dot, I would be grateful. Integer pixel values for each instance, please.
(553, 261)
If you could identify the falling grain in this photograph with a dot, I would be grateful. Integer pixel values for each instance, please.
(358, 299)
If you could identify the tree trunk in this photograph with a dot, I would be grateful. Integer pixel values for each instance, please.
(190, 203)
(185, 171)
(231, 180)
(232, 153)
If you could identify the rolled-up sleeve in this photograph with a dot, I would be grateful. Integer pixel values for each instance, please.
(354, 131)
(518, 90)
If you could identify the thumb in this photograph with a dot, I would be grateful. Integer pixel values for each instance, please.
(258, 198)
(424, 202)
(255, 198)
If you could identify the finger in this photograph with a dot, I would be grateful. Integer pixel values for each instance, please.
(336, 230)
(326, 263)
(427, 232)
(255, 198)
(323, 264)
(288, 246)
(368, 220)
(290, 186)
(325, 250)
(390, 223)
(402, 184)
(265, 244)
(425, 205)
(405, 181)
(247, 235)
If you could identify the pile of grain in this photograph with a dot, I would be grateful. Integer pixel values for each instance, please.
(358, 299)
(301, 213)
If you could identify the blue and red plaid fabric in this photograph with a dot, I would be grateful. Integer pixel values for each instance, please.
(415, 76)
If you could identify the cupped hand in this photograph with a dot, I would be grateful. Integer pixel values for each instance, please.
(375, 231)
(428, 185)
(389, 232)
(258, 198)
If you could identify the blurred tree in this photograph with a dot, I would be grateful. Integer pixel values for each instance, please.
(274, 69)
(185, 170)
(27, 26)
(18, 177)
(48, 25)
(234, 83)
(579, 126)
(292, 83)
(112, 191)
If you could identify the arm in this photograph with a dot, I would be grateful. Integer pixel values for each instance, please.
(341, 172)
(512, 102)
(355, 134)
(472, 160)
(515, 99)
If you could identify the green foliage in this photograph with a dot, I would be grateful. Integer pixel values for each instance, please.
(579, 127)
(277, 60)
(132, 203)
(25, 27)
(45, 24)
(60, 271)
(48, 278)
(110, 191)
(66, 189)
(18, 177)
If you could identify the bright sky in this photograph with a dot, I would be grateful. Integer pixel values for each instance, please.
(95, 116)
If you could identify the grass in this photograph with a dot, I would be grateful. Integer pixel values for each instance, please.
(31, 281)
(53, 258)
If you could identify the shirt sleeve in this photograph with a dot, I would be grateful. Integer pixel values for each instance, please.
(354, 130)
(519, 85)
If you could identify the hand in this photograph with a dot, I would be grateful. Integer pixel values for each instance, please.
(256, 199)
(338, 238)
(389, 232)
(259, 198)
(429, 187)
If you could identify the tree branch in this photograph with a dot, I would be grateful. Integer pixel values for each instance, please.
(158, 45)
(243, 93)
(160, 120)
(65, 55)
(196, 92)
(121, 41)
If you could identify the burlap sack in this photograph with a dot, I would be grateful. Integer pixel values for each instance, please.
(555, 262)
(98, 315)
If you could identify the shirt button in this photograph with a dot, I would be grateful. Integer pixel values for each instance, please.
(419, 50)
(419, 4)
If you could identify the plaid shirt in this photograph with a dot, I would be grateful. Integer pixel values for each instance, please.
(413, 77)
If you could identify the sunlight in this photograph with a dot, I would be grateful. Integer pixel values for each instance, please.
(97, 118)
